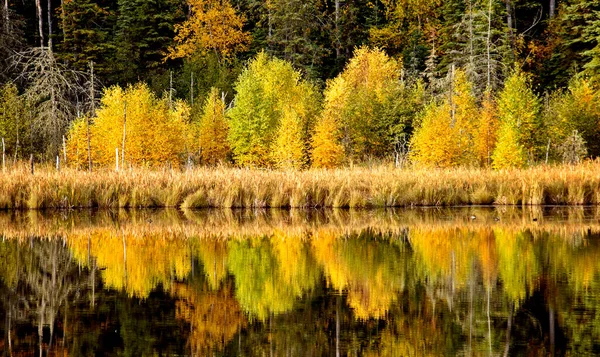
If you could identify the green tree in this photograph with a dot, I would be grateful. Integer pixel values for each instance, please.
(87, 34)
(519, 122)
(359, 99)
(272, 101)
(14, 121)
(144, 32)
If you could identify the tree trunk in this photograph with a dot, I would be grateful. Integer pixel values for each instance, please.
(6, 17)
(92, 113)
(38, 7)
(50, 25)
(552, 8)
(509, 24)
(124, 136)
(337, 29)
(488, 45)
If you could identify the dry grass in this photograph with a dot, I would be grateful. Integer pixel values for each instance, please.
(343, 188)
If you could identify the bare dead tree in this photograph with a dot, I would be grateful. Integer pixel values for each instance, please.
(51, 90)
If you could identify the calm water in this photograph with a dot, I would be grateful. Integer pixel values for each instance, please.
(469, 281)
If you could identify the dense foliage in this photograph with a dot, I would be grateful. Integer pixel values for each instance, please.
(459, 83)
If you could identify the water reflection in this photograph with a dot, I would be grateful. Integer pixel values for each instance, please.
(383, 283)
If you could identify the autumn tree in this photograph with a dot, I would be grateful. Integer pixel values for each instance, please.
(213, 26)
(574, 110)
(520, 129)
(147, 130)
(212, 130)
(447, 131)
(327, 150)
(358, 100)
(273, 112)
(486, 127)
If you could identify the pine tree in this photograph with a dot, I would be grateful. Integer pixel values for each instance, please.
(87, 27)
(144, 32)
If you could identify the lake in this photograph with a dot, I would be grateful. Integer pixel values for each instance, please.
(442, 282)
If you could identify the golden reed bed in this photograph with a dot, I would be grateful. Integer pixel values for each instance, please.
(342, 188)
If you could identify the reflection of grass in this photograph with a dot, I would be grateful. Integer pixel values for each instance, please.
(239, 224)
(354, 188)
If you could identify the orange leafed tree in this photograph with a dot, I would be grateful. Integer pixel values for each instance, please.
(486, 131)
(212, 26)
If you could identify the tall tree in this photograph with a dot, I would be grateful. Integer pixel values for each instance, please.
(446, 135)
(144, 32)
(213, 26)
(87, 28)
(358, 100)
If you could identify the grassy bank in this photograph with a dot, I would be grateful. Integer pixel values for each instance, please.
(353, 188)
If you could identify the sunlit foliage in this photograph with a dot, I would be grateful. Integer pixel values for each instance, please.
(212, 130)
(520, 129)
(359, 102)
(272, 115)
(215, 317)
(446, 135)
(155, 131)
(213, 25)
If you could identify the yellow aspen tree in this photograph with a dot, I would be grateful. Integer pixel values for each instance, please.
(430, 142)
(486, 131)
(509, 153)
(327, 150)
(288, 149)
(446, 135)
(369, 83)
(214, 26)
(155, 131)
(77, 150)
(269, 92)
(213, 130)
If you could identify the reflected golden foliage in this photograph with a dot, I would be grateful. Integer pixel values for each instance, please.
(214, 317)
(132, 263)
(369, 274)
